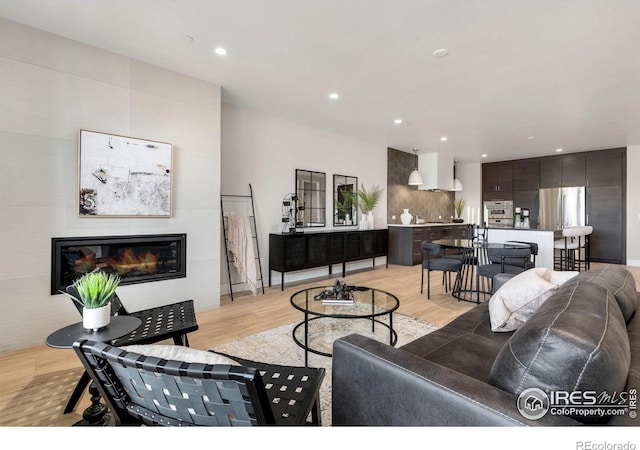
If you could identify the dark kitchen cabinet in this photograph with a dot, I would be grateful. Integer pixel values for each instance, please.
(526, 175)
(606, 168)
(573, 170)
(603, 172)
(606, 214)
(291, 252)
(550, 172)
(497, 181)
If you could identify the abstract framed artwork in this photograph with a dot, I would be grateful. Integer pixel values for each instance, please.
(120, 176)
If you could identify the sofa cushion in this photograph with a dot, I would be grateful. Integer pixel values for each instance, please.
(455, 349)
(577, 340)
(521, 296)
(477, 321)
(619, 281)
(180, 353)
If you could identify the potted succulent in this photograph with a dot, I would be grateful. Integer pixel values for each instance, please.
(458, 205)
(94, 293)
(367, 200)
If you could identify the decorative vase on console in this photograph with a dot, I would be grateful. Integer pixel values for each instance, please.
(405, 217)
(363, 222)
(370, 225)
(367, 200)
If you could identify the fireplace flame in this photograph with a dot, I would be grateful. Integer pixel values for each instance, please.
(146, 263)
(129, 262)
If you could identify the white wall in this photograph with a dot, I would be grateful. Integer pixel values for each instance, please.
(633, 205)
(52, 87)
(265, 152)
(470, 175)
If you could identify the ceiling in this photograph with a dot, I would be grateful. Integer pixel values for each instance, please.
(522, 77)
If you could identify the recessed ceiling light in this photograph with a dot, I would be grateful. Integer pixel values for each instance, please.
(220, 51)
(443, 138)
(531, 137)
(397, 121)
(440, 53)
(558, 150)
(484, 155)
(334, 96)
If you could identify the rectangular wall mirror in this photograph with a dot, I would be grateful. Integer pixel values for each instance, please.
(345, 208)
(312, 195)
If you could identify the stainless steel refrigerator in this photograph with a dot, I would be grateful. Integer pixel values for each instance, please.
(561, 208)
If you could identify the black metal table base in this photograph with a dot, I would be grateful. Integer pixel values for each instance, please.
(305, 345)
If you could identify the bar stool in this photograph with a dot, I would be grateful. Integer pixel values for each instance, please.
(568, 249)
(584, 253)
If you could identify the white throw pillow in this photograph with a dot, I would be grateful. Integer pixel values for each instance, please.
(520, 297)
(559, 278)
(180, 353)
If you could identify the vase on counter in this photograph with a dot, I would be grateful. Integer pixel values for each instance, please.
(370, 225)
(405, 217)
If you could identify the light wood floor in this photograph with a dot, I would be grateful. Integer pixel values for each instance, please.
(245, 316)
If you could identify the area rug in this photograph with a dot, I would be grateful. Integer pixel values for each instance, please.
(276, 346)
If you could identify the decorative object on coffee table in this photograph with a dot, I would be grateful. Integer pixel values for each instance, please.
(339, 294)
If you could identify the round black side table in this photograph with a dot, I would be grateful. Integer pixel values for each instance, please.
(96, 414)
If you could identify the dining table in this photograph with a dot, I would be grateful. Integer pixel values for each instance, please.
(469, 285)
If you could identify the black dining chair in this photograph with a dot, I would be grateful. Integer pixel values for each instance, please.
(432, 260)
(512, 260)
(534, 252)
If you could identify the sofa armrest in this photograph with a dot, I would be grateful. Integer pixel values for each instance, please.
(374, 384)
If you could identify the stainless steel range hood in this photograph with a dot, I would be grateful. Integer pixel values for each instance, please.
(437, 172)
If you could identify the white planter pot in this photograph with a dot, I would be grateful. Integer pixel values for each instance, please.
(370, 221)
(96, 318)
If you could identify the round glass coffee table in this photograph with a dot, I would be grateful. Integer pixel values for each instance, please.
(370, 314)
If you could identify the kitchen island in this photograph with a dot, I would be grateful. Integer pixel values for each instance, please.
(405, 240)
(544, 239)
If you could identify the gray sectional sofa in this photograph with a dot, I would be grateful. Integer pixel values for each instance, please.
(583, 340)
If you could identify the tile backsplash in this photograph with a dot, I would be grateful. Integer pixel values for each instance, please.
(428, 205)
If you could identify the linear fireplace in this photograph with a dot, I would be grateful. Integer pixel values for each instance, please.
(137, 259)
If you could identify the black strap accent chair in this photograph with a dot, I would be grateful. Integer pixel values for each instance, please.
(147, 390)
(173, 321)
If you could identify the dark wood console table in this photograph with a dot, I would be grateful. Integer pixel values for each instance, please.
(298, 251)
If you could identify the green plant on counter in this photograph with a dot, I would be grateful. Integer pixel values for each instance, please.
(95, 289)
(367, 200)
(458, 205)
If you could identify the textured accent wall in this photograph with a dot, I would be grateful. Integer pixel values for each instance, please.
(54, 87)
(431, 206)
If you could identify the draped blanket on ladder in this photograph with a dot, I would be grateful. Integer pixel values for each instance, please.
(240, 242)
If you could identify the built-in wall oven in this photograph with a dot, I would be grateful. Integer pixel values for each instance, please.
(499, 213)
